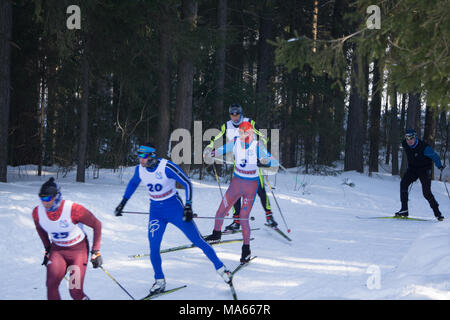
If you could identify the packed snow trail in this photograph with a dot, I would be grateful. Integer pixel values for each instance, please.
(333, 254)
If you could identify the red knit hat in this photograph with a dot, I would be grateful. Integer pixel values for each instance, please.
(246, 132)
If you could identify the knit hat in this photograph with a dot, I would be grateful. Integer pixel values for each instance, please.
(49, 188)
(410, 133)
(247, 128)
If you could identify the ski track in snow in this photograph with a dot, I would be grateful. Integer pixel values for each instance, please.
(332, 255)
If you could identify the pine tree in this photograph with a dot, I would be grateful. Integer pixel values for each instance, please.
(5, 82)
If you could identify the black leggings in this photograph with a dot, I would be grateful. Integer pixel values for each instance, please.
(411, 175)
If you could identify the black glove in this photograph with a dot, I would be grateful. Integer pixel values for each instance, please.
(188, 214)
(442, 168)
(46, 256)
(119, 208)
(96, 259)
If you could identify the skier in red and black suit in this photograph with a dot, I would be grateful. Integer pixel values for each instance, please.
(59, 224)
(420, 162)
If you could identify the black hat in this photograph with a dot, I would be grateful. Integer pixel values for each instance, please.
(49, 188)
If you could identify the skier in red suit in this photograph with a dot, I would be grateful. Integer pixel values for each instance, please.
(59, 224)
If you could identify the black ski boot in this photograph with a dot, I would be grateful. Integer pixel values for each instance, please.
(270, 221)
(215, 236)
(438, 214)
(403, 213)
(245, 256)
(234, 226)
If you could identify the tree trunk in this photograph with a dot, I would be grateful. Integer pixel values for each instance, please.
(354, 140)
(220, 59)
(5, 82)
(183, 112)
(42, 103)
(163, 131)
(394, 132)
(265, 63)
(82, 144)
(403, 116)
(375, 118)
(444, 133)
(417, 124)
(235, 52)
(429, 131)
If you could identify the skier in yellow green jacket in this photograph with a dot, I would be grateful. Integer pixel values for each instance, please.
(231, 130)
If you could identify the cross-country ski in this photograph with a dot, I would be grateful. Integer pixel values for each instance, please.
(151, 296)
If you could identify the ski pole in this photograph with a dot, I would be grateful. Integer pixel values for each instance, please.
(217, 179)
(101, 267)
(224, 218)
(135, 212)
(279, 209)
(445, 184)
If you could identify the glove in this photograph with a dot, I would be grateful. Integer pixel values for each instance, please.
(46, 256)
(442, 168)
(263, 163)
(209, 153)
(96, 259)
(188, 214)
(119, 209)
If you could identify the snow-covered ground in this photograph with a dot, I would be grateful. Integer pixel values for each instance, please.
(333, 255)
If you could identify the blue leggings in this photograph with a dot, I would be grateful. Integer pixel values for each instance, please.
(171, 210)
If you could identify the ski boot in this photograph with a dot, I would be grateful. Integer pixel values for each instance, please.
(245, 256)
(438, 214)
(158, 287)
(233, 226)
(225, 274)
(401, 214)
(270, 221)
(215, 236)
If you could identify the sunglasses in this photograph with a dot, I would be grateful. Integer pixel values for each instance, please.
(146, 155)
(143, 155)
(46, 198)
(409, 137)
(234, 113)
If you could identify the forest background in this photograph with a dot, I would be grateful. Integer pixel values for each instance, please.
(83, 83)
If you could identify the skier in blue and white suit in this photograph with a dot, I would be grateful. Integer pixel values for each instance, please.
(160, 177)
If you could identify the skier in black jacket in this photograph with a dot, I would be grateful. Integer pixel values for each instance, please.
(420, 162)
